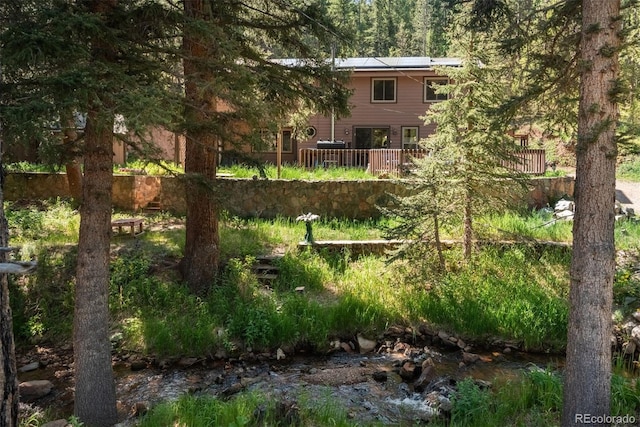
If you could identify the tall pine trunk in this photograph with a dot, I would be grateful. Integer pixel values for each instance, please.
(72, 166)
(588, 364)
(95, 395)
(8, 372)
(200, 263)
(95, 399)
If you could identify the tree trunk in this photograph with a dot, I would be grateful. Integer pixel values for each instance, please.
(8, 371)
(467, 236)
(588, 364)
(95, 395)
(72, 167)
(95, 399)
(200, 263)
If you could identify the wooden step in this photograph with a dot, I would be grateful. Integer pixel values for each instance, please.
(266, 277)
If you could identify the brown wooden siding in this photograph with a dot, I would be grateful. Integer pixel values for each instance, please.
(406, 111)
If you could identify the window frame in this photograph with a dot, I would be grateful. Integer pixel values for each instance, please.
(427, 86)
(395, 90)
(417, 137)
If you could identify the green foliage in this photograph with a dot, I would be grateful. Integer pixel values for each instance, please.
(43, 303)
(495, 295)
(296, 172)
(471, 405)
(31, 167)
(55, 220)
(629, 169)
(343, 294)
(625, 396)
(246, 409)
(465, 172)
(142, 167)
(52, 71)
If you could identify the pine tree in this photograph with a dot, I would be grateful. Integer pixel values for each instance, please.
(235, 90)
(557, 43)
(98, 58)
(464, 173)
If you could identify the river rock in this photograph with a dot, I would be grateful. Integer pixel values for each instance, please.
(187, 362)
(380, 376)
(630, 347)
(56, 423)
(366, 345)
(32, 390)
(635, 334)
(140, 408)
(470, 357)
(138, 365)
(445, 403)
(346, 347)
(30, 367)
(428, 374)
(408, 370)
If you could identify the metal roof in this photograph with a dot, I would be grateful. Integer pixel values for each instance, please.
(413, 62)
(383, 63)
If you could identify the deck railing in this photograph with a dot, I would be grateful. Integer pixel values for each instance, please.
(531, 161)
(395, 162)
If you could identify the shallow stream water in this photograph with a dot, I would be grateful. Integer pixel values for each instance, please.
(341, 378)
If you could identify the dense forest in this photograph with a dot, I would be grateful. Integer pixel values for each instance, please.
(390, 27)
(531, 44)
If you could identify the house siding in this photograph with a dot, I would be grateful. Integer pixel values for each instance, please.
(407, 110)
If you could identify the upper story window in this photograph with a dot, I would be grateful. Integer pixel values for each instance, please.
(431, 85)
(383, 90)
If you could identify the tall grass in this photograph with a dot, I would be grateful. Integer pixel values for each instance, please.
(629, 169)
(298, 173)
(517, 293)
(249, 409)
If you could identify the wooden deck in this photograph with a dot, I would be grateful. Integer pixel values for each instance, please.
(394, 162)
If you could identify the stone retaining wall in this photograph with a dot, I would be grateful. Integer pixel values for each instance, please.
(258, 198)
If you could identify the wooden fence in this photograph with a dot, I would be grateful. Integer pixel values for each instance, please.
(396, 162)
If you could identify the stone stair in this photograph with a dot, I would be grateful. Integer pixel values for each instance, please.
(154, 206)
(264, 268)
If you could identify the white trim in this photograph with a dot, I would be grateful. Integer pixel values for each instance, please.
(395, 90)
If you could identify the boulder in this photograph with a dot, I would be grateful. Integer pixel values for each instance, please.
(29, 367)
(32, 390)
(366, 345)
(57, 423)
(428, 374)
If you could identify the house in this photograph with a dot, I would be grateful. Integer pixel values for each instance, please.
(390, 95)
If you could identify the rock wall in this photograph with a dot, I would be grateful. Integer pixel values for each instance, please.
(259, 198)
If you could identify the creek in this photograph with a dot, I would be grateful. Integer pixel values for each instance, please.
(370, 387)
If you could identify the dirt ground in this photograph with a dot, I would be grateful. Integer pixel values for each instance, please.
(627, 192)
